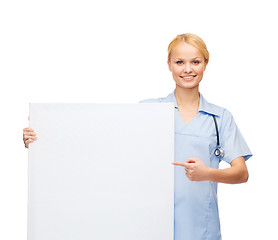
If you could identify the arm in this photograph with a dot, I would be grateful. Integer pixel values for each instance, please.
(237, 173)
(196, 170)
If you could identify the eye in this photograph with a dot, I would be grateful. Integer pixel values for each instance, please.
(196, 62)
(179, 62)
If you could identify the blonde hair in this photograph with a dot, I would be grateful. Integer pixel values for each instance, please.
(191, 39)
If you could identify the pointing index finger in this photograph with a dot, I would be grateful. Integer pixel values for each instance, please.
(182, 164)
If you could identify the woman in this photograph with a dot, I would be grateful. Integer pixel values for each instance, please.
(196, 144)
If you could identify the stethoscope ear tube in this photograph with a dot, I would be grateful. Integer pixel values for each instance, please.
(219, 151)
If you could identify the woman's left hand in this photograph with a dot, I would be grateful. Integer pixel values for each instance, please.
(195, 169)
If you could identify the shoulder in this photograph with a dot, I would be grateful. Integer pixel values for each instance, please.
(226, 115)
(223, 115)
(227, 122)
(223, 112)
(210, 108)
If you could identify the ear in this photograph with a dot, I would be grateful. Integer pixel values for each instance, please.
(205, 66)
(169, 65)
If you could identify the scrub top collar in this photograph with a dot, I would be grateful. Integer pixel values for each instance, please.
(204, 106)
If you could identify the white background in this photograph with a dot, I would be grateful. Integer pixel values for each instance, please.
(115, 52)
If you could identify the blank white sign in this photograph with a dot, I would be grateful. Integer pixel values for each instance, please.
(101, 171)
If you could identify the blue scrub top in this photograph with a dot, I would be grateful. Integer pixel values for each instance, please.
(196, 208)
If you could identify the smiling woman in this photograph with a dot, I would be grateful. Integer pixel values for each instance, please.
(196, 164)
(187, 65)
(187, 60)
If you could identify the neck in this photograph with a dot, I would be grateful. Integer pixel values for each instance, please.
(187, 97)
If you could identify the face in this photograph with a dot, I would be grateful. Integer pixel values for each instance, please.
(187, 65)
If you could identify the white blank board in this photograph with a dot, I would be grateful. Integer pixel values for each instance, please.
(101, 171)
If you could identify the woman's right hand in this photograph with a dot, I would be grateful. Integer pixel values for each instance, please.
(28, 136)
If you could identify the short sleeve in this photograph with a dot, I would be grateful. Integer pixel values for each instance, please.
(232, 140)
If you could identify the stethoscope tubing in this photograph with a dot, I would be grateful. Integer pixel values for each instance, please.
(219, 151)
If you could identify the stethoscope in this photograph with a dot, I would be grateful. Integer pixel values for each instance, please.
(219, 151)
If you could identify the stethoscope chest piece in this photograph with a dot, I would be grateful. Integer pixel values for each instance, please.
(219, 152)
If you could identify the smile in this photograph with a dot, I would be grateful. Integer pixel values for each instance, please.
(188, 78)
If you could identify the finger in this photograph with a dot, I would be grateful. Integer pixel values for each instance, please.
(32, 138)
(30, 134)
(28, 129)
(179, 164)
(28, 141)
(188, 175)
(188, 165)
(27, 137)
(191, 160)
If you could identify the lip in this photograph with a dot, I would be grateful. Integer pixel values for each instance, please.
(188, 78)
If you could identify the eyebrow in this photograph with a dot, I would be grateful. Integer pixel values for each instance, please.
(179, 58)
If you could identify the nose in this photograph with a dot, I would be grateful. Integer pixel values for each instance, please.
(187, 68)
